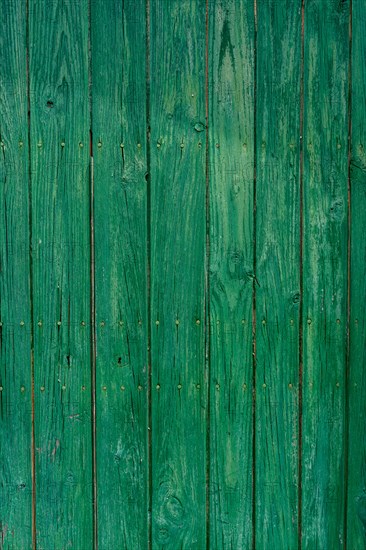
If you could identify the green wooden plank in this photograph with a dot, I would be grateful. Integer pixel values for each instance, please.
(277, 272)
(119, 136)
(325, 271)
(15, 304)
(179, 394)
(356, 510)
(58, 60)
(231, 126)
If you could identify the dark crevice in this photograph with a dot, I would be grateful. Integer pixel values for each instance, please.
(301, 261)
(349, 243)
(254, 310)
(93, 344)
(207, 283)
(148, 279)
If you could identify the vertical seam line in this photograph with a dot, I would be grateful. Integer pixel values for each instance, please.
(92, 290)
(254, 310)
(349, 226)
(301, 261)
(207, 281)
(148, 274)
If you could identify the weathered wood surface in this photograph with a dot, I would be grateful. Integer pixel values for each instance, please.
(356, 490)
(231, 168)
(178, 257)
(277, 250)
(182, 274)
(15, 299)
(120, 207)
(59, 139)
(326, 66)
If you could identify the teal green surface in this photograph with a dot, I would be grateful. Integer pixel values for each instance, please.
(213, 151)
(278, 273)
(15, 299)
(59, 138)
(177, 216)
(325, 142)
(231, 155)
(120, 166)
(356, 491)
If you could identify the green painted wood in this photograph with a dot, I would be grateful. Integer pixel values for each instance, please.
(356, 497)
(231, 125)
(59, 133)
(153, 291)
(325, 271)
(277, 272)
(119, 148)
(15, 303)
(178, 255)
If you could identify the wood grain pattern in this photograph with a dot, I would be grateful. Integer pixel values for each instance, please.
(356, 509)
(277, 272)
(15, 302)
(59, 134)
(175, 253)
(178, 258)
(119, 148)
(231, 152)
(325, 271)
